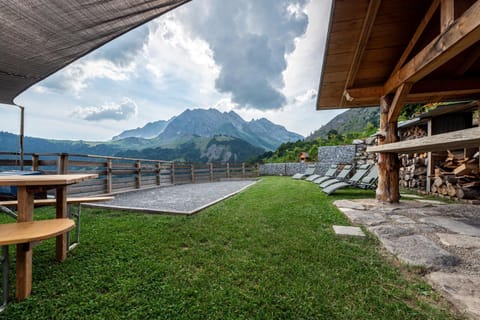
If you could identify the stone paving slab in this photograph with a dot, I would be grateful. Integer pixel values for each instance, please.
(419, 251)
(348, 231)
(462, 290)
(459, 240)
(179, 199)
(453, 225)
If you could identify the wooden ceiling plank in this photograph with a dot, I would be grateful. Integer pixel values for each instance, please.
(367, 27)
(413, 41)
(447, 8)
(398, 101)
(462, 33)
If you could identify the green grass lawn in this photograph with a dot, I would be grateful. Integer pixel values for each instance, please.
(267, 253)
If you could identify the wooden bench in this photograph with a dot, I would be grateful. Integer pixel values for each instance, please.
(71, 214)
(25, 235)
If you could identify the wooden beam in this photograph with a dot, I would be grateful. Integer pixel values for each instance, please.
(367, 27)
(468, 138)
(447, 9)
(440, 87)
(462, 33)
(421, 27)
(398, 101)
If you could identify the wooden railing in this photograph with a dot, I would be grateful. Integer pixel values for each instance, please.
(117, 174)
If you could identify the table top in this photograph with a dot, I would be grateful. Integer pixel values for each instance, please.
(44, 180)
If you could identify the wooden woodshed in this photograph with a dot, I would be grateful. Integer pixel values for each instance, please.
(391, 53)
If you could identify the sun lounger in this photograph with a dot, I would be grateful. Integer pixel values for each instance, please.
(312, 177)
(342, 175)
(308, 172)
(359, 173)
(367, 181)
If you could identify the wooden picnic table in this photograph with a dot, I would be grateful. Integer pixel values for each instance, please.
(27, 186)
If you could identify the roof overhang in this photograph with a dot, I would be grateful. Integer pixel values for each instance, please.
(428, 49)
(40, 37)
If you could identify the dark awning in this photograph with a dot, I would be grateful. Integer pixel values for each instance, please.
(40, 37)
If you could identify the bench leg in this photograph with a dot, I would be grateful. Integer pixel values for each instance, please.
(76, 216)
(4, 260)
(23, 271)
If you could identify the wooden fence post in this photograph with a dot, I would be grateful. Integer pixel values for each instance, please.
(172, 173)
(62, 163)
(228, 169)
(211, 172)
(109, 176)
(35, 162)
(159, 171)
(243, 169)
(193, 172)
(138, 178)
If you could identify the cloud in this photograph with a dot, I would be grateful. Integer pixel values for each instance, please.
(111, 111)
(249, 40)
(124, 49)
(75, 78)
(115, 61)
(309, 95)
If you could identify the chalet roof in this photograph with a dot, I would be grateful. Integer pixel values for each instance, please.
(40, 37)
(374, 46)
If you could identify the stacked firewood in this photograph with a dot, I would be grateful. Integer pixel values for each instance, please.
(458, 176)
(413, 171)
(413, 133)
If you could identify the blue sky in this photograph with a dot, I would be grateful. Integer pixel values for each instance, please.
(257, 58)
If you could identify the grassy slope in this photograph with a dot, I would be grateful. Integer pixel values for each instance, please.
(267, 253)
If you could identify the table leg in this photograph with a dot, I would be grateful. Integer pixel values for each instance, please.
(24, 251)
(61, 250)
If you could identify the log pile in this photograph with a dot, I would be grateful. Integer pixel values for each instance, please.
(458, 176)
(413, 171)
(414, 132)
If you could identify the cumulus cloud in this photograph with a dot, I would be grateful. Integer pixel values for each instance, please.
(249, 40)
(111, 111)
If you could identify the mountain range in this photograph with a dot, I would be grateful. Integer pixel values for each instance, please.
(196, 135)
(260, 133)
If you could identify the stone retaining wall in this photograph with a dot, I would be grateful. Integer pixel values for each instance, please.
(352, 154)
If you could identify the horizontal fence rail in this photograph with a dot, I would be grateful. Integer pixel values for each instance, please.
(118, 174)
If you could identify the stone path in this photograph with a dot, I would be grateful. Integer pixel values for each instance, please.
(444, 238)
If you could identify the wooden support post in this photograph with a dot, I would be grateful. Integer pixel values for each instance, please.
(228, 169)
(35, 162)
(109, 176)
(243, 169)
(430, 160)
(388, 163)
(159, 172)
(211, 172)
(138, 178)
(192, 169)
(62, 166)
(61, 206)
(172, 173)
